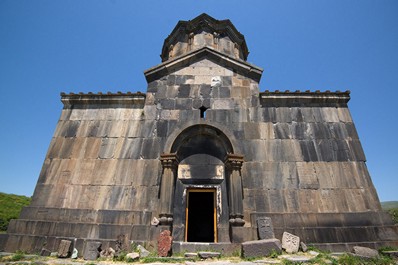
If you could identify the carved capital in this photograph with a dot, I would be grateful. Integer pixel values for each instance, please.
(169, 160)
(234, 162)
(236, 220)
(165, 219)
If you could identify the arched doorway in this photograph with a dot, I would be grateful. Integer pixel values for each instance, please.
(201, 190)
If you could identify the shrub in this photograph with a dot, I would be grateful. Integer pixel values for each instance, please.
(10, 208)
(394, 214)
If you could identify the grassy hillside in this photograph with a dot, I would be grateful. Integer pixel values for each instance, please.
(10, 207)
(392, 208)
(389, 205)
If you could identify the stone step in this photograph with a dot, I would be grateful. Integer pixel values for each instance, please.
(224, 248)
(84, 230)
(209, 254)
(348, 247)
(342, 234)
(120, 217)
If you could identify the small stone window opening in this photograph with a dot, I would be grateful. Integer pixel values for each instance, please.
(203, 112)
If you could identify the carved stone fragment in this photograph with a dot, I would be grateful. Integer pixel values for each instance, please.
(290, 243)
(64, 249)
(164, 243)
(92, 250)
(264, 227)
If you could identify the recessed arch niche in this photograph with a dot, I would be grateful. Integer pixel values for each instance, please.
(201, 157)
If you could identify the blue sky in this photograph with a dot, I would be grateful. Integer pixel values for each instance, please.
(48, 47)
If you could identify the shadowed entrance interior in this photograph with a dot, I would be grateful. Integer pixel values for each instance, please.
(201, 216)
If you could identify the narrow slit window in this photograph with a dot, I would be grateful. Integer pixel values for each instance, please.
(203, 112)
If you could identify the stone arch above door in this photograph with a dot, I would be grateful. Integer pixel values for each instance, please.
(202, 139)
(190, 128)
(205, 142)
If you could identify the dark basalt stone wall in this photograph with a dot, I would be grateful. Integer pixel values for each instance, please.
(293, 156)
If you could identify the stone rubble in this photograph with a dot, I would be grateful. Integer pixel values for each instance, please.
(108, 253)
(365, 252)
(92, 250)
(75, 254)
(132, 256)
(143, 252)
(299, 258)
(64, 248)
(261, 248)
(45, 252)
(303, 247)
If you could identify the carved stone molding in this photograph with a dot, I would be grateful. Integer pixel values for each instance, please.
(169, 160)
(234, 161)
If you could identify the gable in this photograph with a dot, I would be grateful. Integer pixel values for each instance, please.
(205, 53)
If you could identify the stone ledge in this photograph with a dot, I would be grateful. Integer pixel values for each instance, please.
(120, 99)
(299, 98)
(225, 248)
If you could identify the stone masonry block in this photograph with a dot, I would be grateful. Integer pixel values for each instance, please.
(261, 248)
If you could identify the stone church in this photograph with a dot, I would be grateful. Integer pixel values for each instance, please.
(203, 153)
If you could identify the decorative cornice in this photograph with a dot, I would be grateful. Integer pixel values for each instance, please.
(170, 66)
(85, 99)
(299, 98)
(205, 21)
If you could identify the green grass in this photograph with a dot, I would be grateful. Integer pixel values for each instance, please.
(10, 207)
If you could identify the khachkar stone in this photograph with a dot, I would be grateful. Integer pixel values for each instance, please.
(290, 242)
(264, 226)
(118, 161)
(164, 243)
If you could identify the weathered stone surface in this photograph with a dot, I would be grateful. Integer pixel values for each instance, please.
(45, 252)
(132, 256)
(313, 253)
(264, 227)
(290, 242)
(208, 254)
(92, 250)
(155, 221)
(190, 255)
(365, 252)
(164, 243)
(303, 164)
(75, 253)
(64, 248)
(143, 252)
(303, 247)
(121, 243)
(391, 253)
(261, 248)
(296, 258)
(108, 253)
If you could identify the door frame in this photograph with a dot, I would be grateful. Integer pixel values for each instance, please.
(212, 190)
